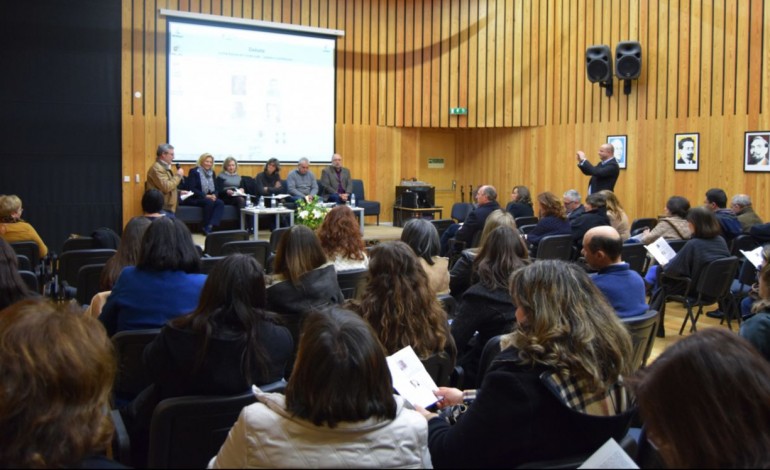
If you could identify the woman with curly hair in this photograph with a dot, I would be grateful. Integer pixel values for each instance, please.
(400, 305)
(552, 221)
(554, 391)
(341, 240)
(58, 369)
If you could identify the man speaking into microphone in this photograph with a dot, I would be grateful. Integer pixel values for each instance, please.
(162, 177)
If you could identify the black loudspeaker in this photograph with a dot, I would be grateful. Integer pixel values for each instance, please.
(598, 63)
(628, 60)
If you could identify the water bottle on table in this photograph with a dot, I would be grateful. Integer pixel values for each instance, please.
(352, 199)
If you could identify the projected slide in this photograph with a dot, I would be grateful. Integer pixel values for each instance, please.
(249, 94)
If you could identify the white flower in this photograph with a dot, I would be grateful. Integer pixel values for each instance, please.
(303, 214)
(316, 214)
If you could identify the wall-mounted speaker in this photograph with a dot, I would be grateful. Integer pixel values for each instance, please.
(599, 63)
(628, 60)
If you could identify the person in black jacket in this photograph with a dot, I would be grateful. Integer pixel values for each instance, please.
(464, 233)
(595, 215)
(201, 182)
(605, 173)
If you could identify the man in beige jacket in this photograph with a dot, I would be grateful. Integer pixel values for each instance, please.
(160, 176)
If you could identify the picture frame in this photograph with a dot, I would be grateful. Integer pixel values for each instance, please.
(687, 151)
(620, 142)
(755, 151)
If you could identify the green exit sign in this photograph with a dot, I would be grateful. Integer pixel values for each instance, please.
(458, 111)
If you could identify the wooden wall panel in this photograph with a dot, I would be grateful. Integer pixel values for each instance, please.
(518, 66)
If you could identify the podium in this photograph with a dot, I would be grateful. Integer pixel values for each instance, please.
(414, 200)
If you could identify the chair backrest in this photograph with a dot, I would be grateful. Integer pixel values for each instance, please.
(275, 237)
(715, 280)
(487, 355)
(129, 347)
(215, 240)
(743, 242)
(677, 245)
(555, 247)
(460, 211)
(635, 254)
(439, 367)
(747, 274)
(88, 282)
(526, 220)
(208, 262)
(186, 432)
(525, 229)
(79, 243)
(642, 329)
(450, 305)
(648, 222)
(24, 263)
(441, 225)
(259, 249)
(352, 282)
(70, 262)
(29, 249)
(358, 190)
(30, 279)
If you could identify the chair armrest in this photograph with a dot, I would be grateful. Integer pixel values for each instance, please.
(121, 443)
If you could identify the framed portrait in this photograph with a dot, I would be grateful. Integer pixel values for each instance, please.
(755, 156)
(621, 152)
(686, 151)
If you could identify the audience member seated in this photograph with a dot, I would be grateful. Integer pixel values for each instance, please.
(461, 277)
(338, 410)
(552, 220)
(152, 205)
(616, 214)
(486, 198)
(229, 182)
(486, 309)
(301, 182)
(688, 393)
(741, 207)
(226, 344)
(622, 287)
(269, 181)
(200, 182)
(757, 328)
(58, 368)
(303, 279)
(400, 305)
(572, 204)
(672, 226)
(15, 229)
(554, 391)
(422, 237)
(163, 285)
(12, 286)
(335, 183)
(716, 201)
(341, 239)
(761, 233)
(521, 203)
(595, 215)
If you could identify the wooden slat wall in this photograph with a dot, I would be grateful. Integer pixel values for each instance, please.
(518, 67)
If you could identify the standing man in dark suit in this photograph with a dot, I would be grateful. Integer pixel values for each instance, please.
(335, 181)
(605, 173)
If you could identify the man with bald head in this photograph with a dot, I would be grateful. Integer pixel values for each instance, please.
(486, 200)
(605, 173)
(622, 287)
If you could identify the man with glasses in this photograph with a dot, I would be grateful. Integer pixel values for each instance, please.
(741, 207)
(301, 182)
(164, 178)
(571, 200)
(335, 181)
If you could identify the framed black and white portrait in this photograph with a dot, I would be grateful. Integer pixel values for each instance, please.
(619, 143)
(755, 156)
(686, 151)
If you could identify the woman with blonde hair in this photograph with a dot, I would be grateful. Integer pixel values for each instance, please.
(552, 221)
(461, 273)
(554, 390)
(201, 182)
(341, 240)
(616, 214)
(14, 228)
(400, 305)
(228, 182)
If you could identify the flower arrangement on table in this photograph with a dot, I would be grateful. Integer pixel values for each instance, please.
(310, 214)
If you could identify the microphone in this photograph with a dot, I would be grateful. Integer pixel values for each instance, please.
(178, 166)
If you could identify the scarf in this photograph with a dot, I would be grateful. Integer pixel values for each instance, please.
(207, 180)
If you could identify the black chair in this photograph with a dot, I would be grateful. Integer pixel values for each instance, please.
(259, 249)
(131, 377)
(642, 329)
(491, 349)
(555, 247)
(88, 282)
(526, 220)
(78, 243)
(635, 254)
(713, 286)
(439, 367)
(743, 242)
(352, 282)
(677, 245)
(525, 229)
(275, 237)
(24, 263)
(460, 211)
(30, 279)
(208, 262)
(739, 289)
(215, 240)
(29, 249)
(70, 263)
(186, 432)
(638, 225)
(370, 207)
(450, 305)
(441, 225)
